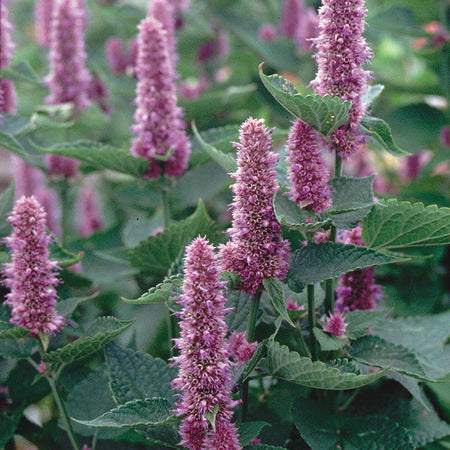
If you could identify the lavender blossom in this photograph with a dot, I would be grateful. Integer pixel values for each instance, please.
(204, 376)
(267, 32)
(356, 290)
(308, 173)
(62, 166)
(31, 275)
(341, 53)
(42, 20)
(256, 249)
(6, 44)
(8, 98)
(115, 55)
(291, 15)
(336, 325)
(240, 349)
(158, 120)
(88, 212)
(68, 79)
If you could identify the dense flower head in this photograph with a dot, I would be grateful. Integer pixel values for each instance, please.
(8, 98)
(308, 173)
(89, 212)
(240, 349)
(291, 15)
(158, 120)
(6, 43)
(336, 325)
(204, 368)
(31, 275)
(256, 249)
(62, 166)
(356, 290)
(42, 19)
(115, 55)
(68, 79)
(341, 53)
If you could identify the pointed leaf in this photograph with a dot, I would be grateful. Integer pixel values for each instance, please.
(327, 342)
(64, 257)
(8, 425)
(148, 412)
(274, 288)
(160, 293)
(11, 143)
(237, 318)
(17, 348)
(290, 366)
(21, 71)
(66, 307)
(102, 331)
(6, 206)
(8, 331)
(359, 322)
(317, 262)
(325, 114)
(248, 431)
(393, 224)
(372, 93)
(379, 130)
(100, 155)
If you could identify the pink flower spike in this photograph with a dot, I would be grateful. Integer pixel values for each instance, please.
(336, 325)
(256, 249)
(341, 53)
(291, 16)
(294, 306)
(240, 349)
(267, 32)
(204, 375)
(8, 98)
(89, 212)
(42, 21)
(31, 275)
(6, 44)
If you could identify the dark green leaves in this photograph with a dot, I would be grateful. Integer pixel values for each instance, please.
(290, 366)
(249, 431)
(325, 114)
(8, 331)
(274, 288)
(318, 262)
(393, 224)
(102, 331)
(100, 155)
(21, 71)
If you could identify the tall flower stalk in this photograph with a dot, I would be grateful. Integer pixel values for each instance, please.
(204, 376)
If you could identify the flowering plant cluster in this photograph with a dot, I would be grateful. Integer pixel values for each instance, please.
(224, 225)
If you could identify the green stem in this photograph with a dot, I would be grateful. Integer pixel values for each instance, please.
(63, 412)
(165, 206)
(312, 321)
(301, 343)
(66, 211)
(94, 440)
(250, 335)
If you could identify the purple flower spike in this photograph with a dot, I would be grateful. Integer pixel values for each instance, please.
(204, 376)
(336, 325)
(341, 53)
(62, 166)
(356, 290)
(8, 98)
(31, 276)
(68, 79)
(6, 44)
(42, 20)
(88, 212)
(256, 249)
(291, 16)
(158, 120)
(308, 173)
(240, 349)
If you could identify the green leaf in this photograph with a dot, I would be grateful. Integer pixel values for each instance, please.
(102, 331)
(11, 143)
(317, 262)
(322, 430)
(379, 130)
(226, 161)
(66, 307)
(325, 114)
(372, 93)
(247, 368)
(290, 366)
(157, 253)
(393, 224)
(375, 351)
(64, 257)
(8, 425)
(358, 322)
(21, 71)
(328, 343)
(352, 201)
(290, 214)
(17, 348)
(149, 412)
(100, 155)
(237, 318)
(6, 206)
(249, 430)
(160, 293)
(274, 288)
(211, 416)
(8, 331)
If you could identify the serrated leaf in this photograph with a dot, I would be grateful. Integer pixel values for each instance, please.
(379, 130)
(102, 331)
(157, 253)
(325, 114)
(100, 155)
(322, 430)
(352, 201)
(290, 366)
(274, 288)
(248, 431)
(317, 262)
(328, 343)
(237, 318)
(372, 93)
(393, 224)
(134, 375)
(6, 206)
(160, 293)
(344, 365)
(148, 412)
(375, 351)
(11, 143)
(64, 257)
(412, 386)
(21, 71)
(358, 322)
(8, 331)
(226, 161)
(288, 213)
(17, 348)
